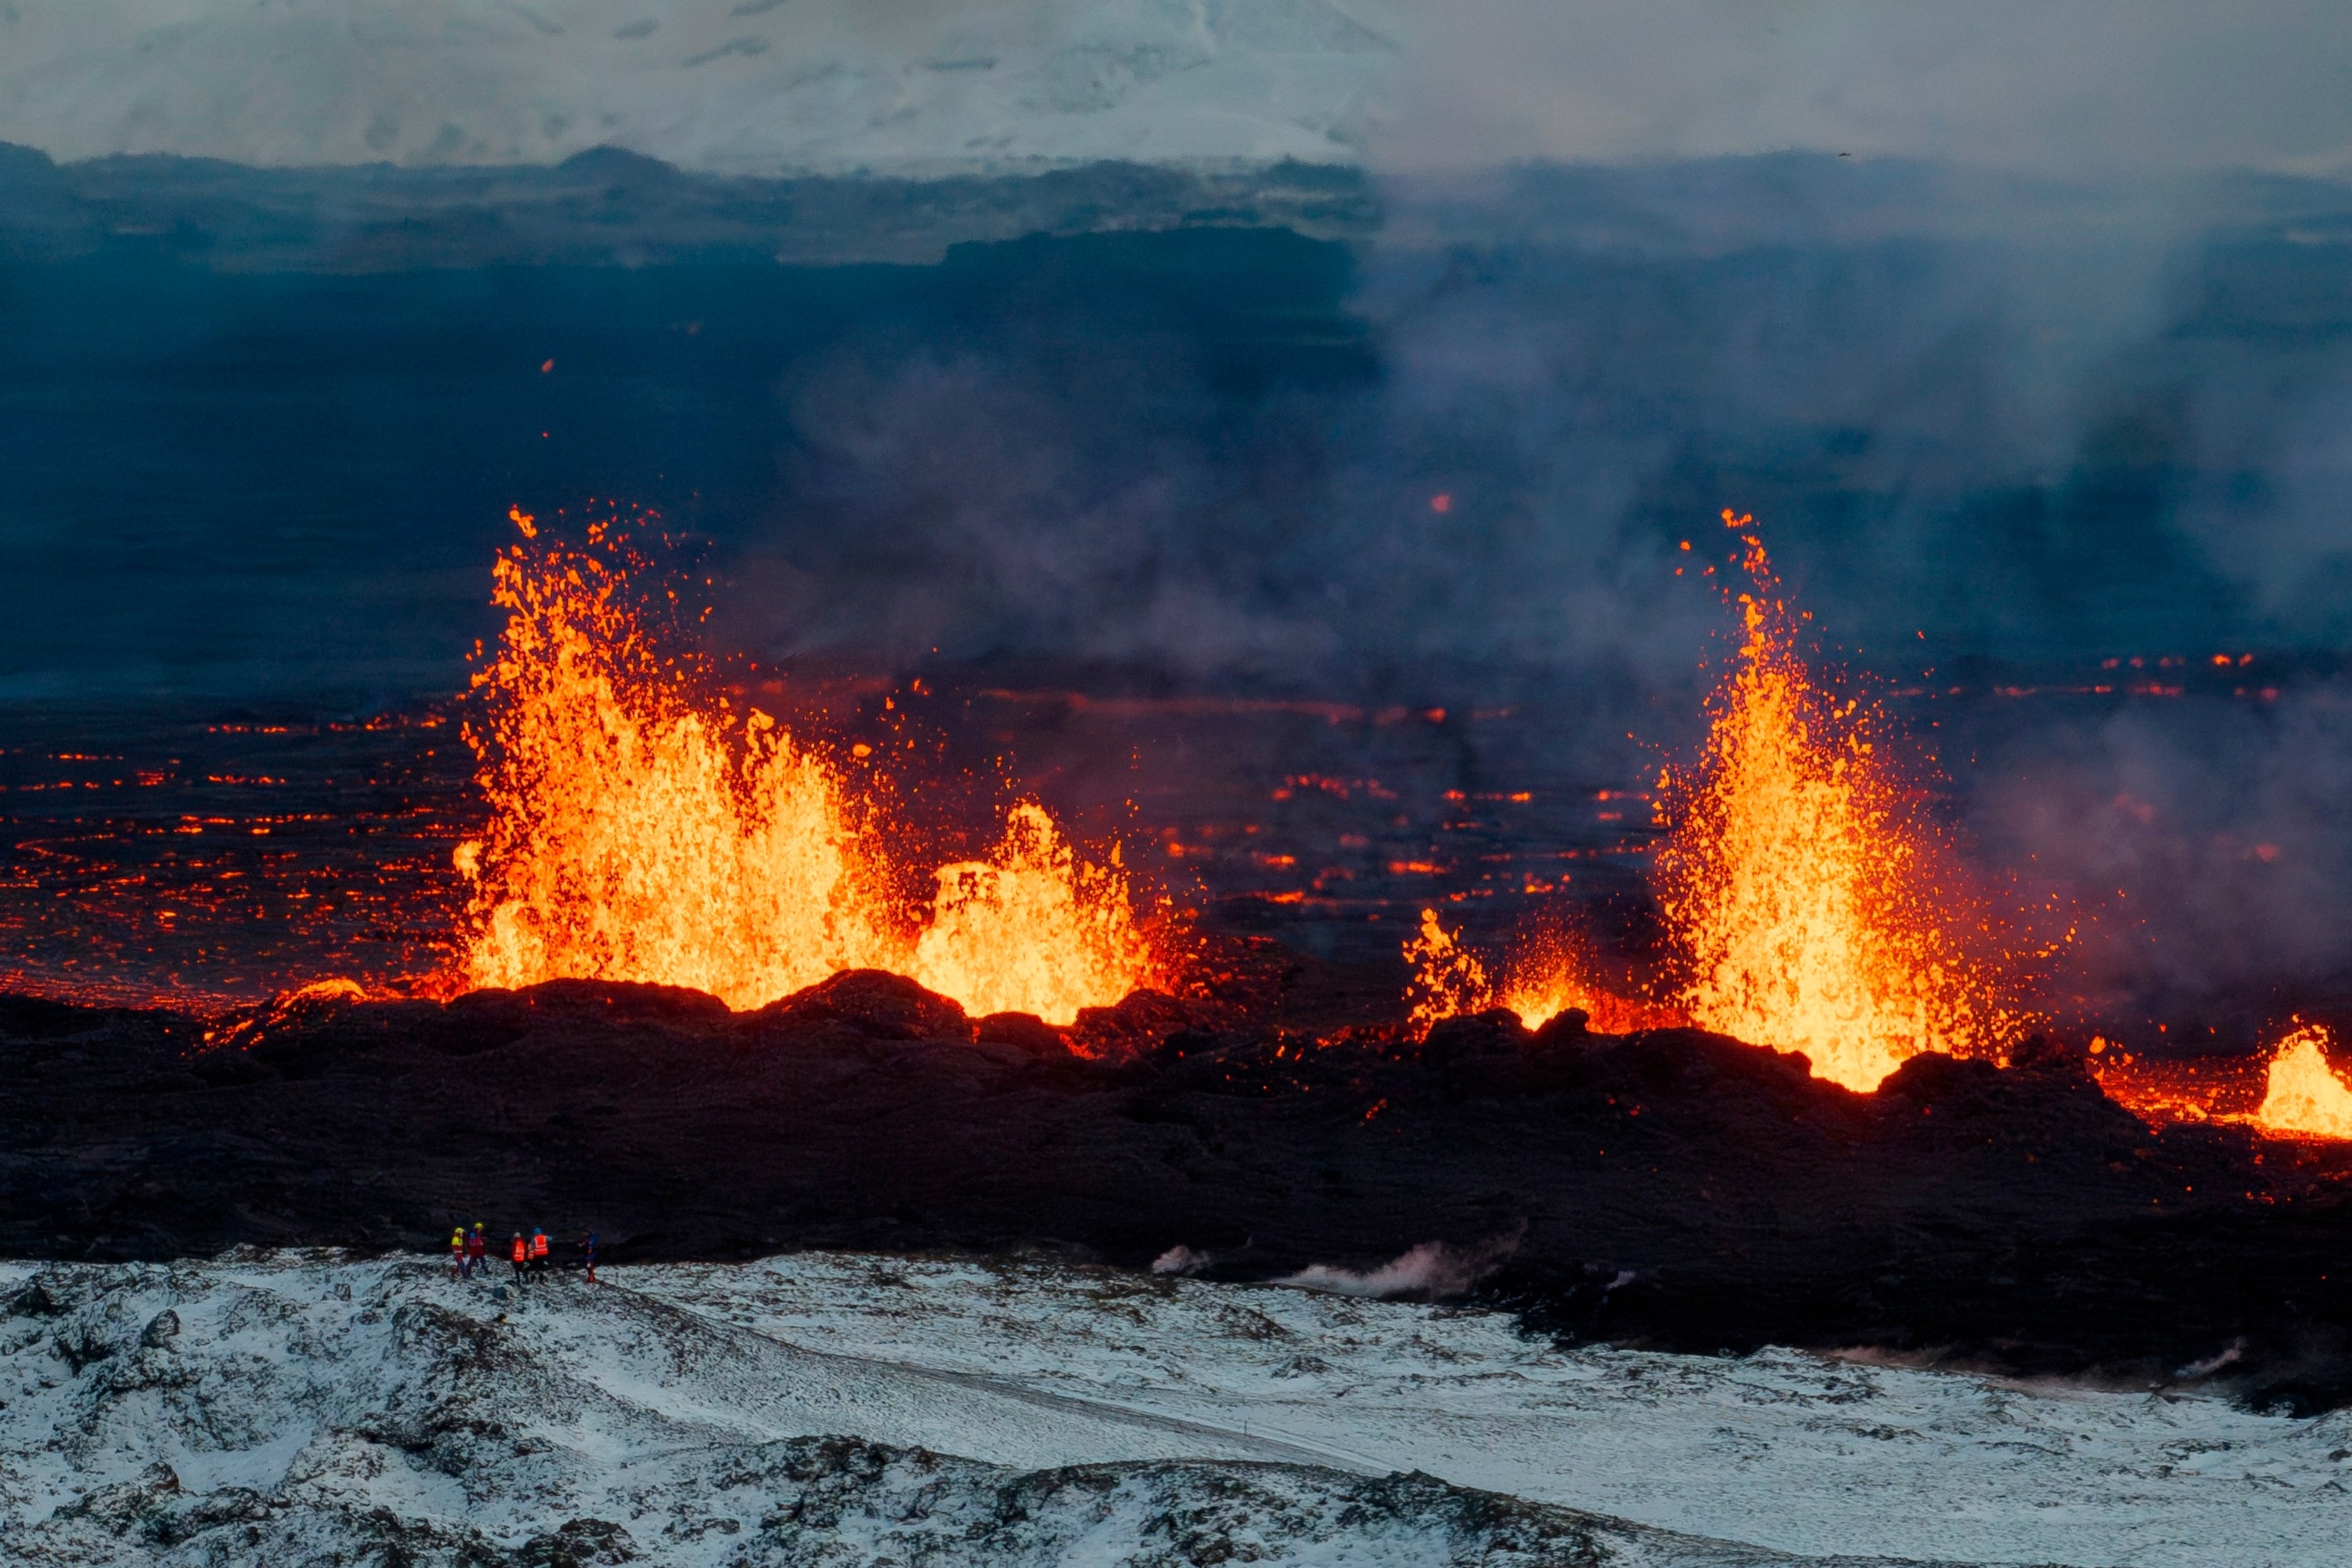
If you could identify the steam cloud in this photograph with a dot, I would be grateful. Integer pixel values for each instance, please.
(2107, 83)
(2036, 419)
(2212, 840)
(1432, 1269)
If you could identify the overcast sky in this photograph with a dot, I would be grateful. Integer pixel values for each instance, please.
(769, 85)
(2042, 83)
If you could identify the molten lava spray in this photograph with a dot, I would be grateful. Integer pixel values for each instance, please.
(638, 835)
(1449, 981)
(1550, 975)
(632, 837)
(1812, 906)
(2304, 1097)
(1540, 980)
(1031, 929)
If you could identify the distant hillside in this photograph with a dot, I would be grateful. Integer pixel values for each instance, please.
(608, 206)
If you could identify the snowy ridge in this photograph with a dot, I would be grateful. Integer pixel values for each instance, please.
(724, 86)
(275, 1408)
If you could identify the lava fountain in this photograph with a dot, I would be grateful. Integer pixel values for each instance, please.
(1033, 929)
(1815, 911)
(2304, 1098)
(638, 834)
(1538, 981)
(1812, 906)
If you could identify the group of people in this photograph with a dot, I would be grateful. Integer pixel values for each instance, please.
(469, 1254)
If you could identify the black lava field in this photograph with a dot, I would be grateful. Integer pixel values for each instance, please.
(1672, 1189)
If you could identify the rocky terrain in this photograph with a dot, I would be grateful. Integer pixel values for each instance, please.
(1671, 1190)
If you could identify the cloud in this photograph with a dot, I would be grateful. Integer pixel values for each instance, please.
(832, 84)
(2137, 84)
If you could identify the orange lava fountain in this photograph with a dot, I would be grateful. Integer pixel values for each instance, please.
(637, 835)
(1032, 930)
(1449, 981)
(1550, 976)
(1810, 904)
(1539, 982)
(2304, 1097)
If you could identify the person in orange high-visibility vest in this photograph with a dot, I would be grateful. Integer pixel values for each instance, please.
(520, 1253)
(539, 1250)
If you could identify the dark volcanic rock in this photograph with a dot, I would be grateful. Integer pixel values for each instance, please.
(869, 1002)
(1672, 1188)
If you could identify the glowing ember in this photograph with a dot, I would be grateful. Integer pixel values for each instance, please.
(1808, 902)
(2304, 1097)
(1032, 930)
(637, 836)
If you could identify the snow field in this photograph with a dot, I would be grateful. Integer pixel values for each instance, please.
(285, 1407)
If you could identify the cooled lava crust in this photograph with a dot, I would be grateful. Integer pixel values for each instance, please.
(1672, 1189)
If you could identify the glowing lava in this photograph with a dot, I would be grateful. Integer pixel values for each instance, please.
(637, 835)
(1548, 976)
(1449, 981)
(1541, 980)
(2304, 1097)
(1031, 929)
(1811, 906)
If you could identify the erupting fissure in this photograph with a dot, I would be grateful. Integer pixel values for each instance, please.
(2303, 1097)
(637, 833)
(1813, 911)
(1033, 929)
(1540, 980)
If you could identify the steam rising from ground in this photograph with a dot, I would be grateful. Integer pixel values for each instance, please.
(2206, 836)
(1430, 1271)
(1978, 418)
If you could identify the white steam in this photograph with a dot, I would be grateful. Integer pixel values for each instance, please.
(1432, 1269)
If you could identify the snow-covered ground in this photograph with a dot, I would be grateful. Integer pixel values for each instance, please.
(757, 87)
(300, 1407)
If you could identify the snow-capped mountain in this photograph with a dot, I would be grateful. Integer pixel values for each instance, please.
(285, 1408)
(755, 87)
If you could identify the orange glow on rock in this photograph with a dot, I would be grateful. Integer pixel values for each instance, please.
(1545, 981)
